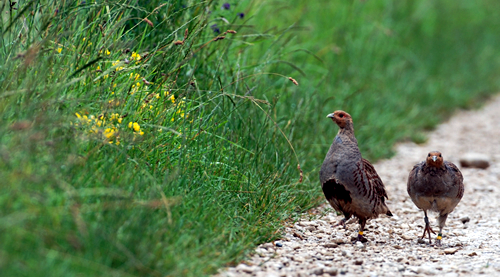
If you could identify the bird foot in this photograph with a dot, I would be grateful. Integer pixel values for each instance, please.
(341, 223)
(428, 230)
(360, 238)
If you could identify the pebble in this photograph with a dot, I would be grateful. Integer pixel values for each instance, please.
(360, 245)
(346, 253)
(339, 241)
(465, 219)
(405, 237)
(331, 271)
(245, 268)
(449, 251)
(476, 160)
(318, 271)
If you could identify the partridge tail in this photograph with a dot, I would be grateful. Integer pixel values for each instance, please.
(388, 213)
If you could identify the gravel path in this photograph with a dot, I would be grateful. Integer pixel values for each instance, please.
(313, 247)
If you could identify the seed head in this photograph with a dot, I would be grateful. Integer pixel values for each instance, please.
(149, 22)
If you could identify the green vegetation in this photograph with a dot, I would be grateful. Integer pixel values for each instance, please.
(130, 146)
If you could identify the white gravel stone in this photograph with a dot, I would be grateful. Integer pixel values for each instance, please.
(476, 160)
(245, 268)
(331, 271)
(450, 250)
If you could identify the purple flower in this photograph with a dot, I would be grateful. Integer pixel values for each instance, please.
(226, 6)
(215, 28)
(241, 15)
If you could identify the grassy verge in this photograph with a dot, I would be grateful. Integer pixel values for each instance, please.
(149, 139)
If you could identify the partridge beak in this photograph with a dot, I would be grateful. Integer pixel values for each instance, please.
(330, 115)
(434, 158)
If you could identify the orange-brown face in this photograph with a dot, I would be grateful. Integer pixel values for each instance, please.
(340, 117)
(435, 158)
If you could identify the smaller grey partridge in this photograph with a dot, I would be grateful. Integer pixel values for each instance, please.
(435, 185)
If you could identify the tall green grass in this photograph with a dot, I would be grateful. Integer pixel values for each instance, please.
(130, 146)
(398, 67)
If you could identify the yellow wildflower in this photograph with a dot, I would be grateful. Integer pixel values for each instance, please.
(109, 132)
(130, 124)
(107, 52)
(59, 50)
(136, 56)
(136, 127)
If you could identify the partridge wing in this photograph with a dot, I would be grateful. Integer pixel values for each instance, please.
(374, 180)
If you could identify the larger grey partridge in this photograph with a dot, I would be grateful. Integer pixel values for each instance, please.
(350, 183)
(435, 185)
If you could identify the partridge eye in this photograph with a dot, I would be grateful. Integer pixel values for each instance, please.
(439, 155)
(341, 115)
(428, 155)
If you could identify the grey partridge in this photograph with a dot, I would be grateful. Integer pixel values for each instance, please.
(350, 183)
(435, 185)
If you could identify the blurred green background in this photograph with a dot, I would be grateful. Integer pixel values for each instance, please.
(162, 138)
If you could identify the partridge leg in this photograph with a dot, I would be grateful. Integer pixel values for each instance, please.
(427, 228)
(442, 221)
(360, 236)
